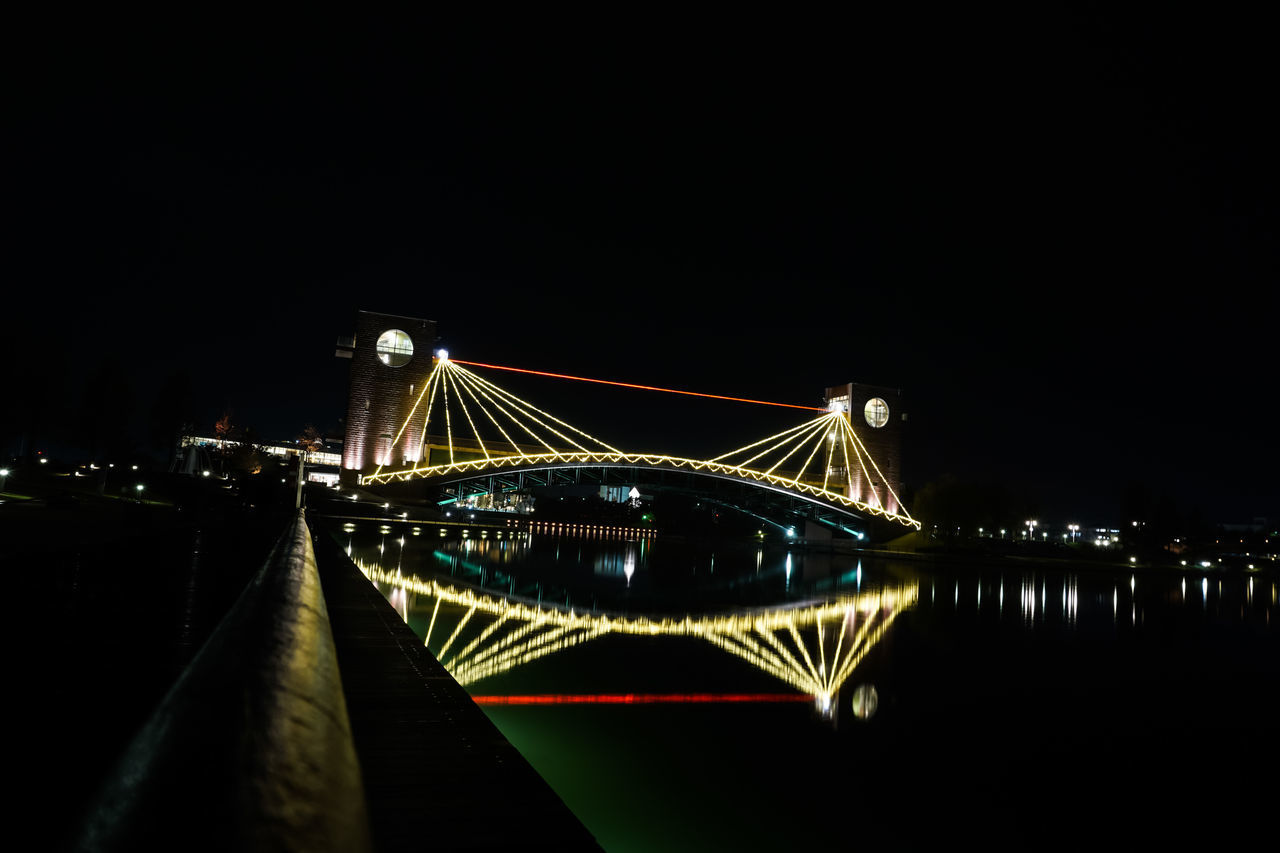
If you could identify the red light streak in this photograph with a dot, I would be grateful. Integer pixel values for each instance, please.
(632, 385)
(638, 698)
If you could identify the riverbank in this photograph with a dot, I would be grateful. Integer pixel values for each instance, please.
(1115, 557)
(129, 592)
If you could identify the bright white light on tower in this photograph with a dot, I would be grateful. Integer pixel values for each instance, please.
(442, 354)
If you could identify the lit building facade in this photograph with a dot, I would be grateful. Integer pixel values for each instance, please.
(390, 359)
(878, 416)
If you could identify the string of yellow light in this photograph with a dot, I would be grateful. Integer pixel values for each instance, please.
(798, 445)
(523, 631)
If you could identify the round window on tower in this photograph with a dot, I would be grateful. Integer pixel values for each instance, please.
(395, 348)
(876, 412)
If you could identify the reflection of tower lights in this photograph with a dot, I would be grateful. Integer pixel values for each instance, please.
(1029, 600)
(1070, 600)
(399, 599)
(629, 563)
(767, 639)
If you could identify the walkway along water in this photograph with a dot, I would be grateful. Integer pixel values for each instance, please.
(314, 720)
(438, 774)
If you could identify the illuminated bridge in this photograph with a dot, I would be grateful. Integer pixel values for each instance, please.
(494, 443)
(812, 647)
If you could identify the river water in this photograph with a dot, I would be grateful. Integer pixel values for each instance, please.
(682, 695)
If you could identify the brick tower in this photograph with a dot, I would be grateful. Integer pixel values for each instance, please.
(390, 359)
(878, 416)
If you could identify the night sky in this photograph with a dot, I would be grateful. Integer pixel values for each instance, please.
(1055, 231)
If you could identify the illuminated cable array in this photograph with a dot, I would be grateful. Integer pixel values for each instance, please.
(801, 459)
(489, 405)
(826, 451)
(495, 635)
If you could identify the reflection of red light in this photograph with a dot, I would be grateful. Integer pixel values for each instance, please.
(639, 698)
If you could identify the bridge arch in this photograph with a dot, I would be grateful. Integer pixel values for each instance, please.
(776, 496)
(803, 464)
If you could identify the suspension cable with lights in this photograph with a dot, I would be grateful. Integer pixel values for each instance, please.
(817, 458)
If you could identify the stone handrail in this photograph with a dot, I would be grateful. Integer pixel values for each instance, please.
(251, 749)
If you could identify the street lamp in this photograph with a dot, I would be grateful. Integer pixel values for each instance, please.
(4, 475)
(1031, 528)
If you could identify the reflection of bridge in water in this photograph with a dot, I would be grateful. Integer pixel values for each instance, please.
(813, 647)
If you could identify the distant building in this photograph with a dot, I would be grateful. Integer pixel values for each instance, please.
(390, 359)
(198, 454)
(878, 415)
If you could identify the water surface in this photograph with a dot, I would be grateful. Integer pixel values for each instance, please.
(680, 695)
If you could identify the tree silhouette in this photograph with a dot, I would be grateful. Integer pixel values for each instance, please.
(238, 450)
(310, 440)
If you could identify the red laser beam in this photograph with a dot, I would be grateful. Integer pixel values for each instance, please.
(638, 698)
(632, 385)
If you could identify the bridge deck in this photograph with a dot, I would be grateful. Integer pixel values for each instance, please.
(437, 773)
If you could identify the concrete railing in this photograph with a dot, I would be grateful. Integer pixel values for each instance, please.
(251, 749)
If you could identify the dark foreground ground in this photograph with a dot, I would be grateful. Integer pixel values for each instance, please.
(113, 599)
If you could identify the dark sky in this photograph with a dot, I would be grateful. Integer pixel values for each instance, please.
(1056, 231)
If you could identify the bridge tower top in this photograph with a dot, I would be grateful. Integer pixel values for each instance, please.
(879, 414)
(390, 354)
